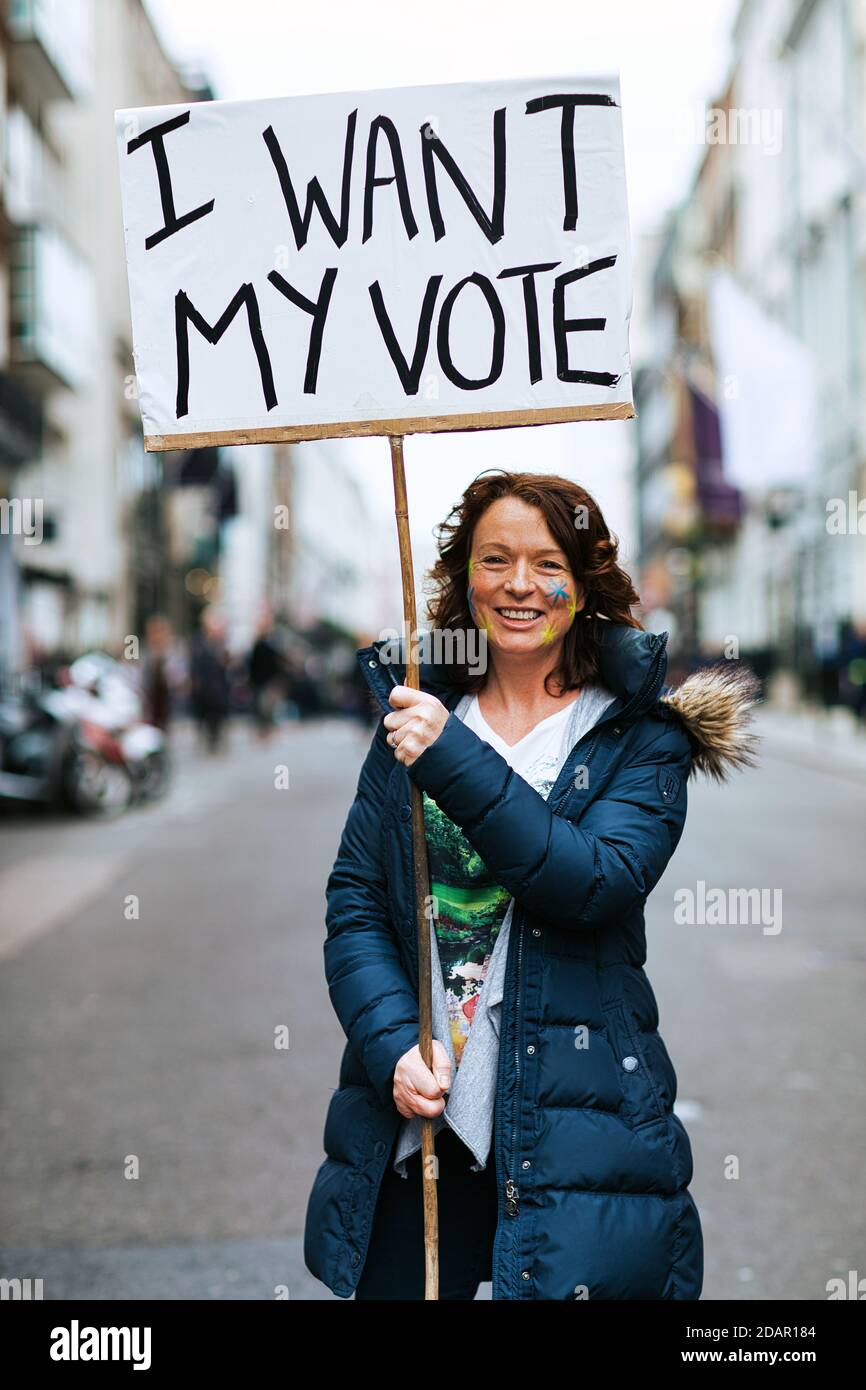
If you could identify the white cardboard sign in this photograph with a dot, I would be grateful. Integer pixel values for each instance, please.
(383, 262)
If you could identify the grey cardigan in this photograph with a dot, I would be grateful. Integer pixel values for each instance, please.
(470, 1103)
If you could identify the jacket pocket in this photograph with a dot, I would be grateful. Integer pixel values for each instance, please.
(347, 1125)
(642, 1101)
(326, 1242)
(662, 1069)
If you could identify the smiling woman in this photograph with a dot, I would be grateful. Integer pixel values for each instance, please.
(545, 836)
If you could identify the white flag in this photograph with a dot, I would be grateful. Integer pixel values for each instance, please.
(766, 392)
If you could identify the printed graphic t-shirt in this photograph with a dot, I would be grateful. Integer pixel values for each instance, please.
(469, 906)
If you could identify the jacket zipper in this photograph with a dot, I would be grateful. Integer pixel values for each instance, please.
(512, 1192)
(564, 792)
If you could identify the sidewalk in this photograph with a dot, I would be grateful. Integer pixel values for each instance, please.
(827, 739)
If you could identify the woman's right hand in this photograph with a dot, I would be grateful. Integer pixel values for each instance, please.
(416, 1090)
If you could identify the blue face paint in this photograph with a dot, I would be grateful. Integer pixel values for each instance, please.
(558, 591)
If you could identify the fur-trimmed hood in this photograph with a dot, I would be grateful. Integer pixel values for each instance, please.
(715, 706)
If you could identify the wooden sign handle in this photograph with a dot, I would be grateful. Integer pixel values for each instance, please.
(419, 847)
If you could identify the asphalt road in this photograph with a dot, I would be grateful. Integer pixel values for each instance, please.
(159, 1142)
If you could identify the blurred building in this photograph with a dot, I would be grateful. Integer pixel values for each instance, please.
(687, 506)
(123, 533)
(47, 300)
(749, 387)
(344, 556)
(65, 317)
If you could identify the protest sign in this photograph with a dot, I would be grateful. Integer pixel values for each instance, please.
(395, 261)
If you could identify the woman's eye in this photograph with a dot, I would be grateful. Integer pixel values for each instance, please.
(500, 560)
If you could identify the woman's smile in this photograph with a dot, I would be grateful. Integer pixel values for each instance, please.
(515, 617)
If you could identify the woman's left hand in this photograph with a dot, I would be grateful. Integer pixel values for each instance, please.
(417, 721)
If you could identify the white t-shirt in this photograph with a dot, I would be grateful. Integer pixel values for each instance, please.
(539, 755)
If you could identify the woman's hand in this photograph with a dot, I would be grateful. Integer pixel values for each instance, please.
(416, 1090)
(417, 721)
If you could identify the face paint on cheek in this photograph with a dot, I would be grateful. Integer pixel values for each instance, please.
(558, 592)
(482, 620)
(470, 591)
(564, 612)
(479, 618)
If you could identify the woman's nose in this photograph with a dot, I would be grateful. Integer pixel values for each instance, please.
(520, 580)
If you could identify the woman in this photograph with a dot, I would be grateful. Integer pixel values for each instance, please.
(554, 784)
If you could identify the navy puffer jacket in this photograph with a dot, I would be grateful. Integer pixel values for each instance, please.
(597, 1163)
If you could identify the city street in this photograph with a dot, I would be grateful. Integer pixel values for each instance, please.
(160, 1144)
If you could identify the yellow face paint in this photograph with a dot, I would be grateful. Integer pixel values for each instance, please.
(563, 602)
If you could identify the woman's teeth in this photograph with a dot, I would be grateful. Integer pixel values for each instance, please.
(521, 614)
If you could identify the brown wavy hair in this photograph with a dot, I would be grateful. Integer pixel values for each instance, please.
(591, 551)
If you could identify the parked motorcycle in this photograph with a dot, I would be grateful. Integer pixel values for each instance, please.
(82, 744)
(49, 754)
(143, 747)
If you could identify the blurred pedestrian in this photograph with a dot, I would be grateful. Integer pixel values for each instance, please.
(156, 691)
(266, 669)
(852, 675)
(209, 678)
(304, 685)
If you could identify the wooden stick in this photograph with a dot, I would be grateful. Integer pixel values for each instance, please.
(419, 424)
(419, 853)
